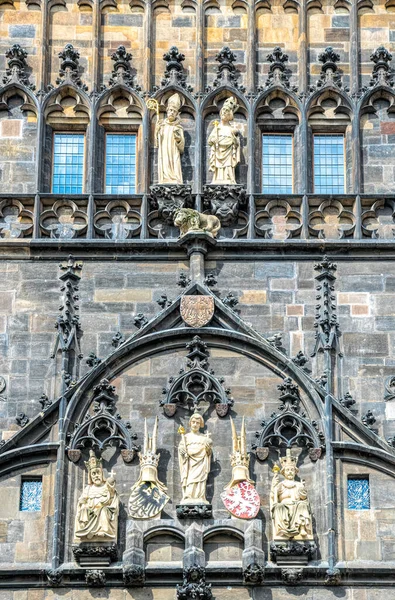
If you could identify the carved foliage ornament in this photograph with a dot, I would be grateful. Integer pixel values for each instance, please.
(225, 202)
(174, 73)
(122, 71)
(104, 427)
(16, 71)
(196, 385)
(194, 584)
(165, 200)
(69, 67)
(279, 74)
(226, 72)
(382, 72)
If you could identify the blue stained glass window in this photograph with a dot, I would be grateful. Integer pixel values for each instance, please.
(120, 164)
(68, 163)
(358, 492)
(329, 164)
(31, 494)
(277, 164)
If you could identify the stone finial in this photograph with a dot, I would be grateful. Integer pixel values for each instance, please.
(17, 66)
(278, 72)
(69, 67)
(382, 72)
(226, 71)
(174, 72)
(122, 71)
(330, 74)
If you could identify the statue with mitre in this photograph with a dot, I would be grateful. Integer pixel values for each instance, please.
(224, 142)
(194, 455)
(98, 506)
(289, 504)
(169, 136)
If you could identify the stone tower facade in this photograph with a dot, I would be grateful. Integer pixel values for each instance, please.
(112, 314)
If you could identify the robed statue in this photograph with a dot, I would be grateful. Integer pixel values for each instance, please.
(224, 142)
(169, 136)
(289, 503)
(98, 506)
(194, 455)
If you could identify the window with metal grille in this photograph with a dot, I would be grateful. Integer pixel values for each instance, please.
(329, 164)
(277, 164)
(120, 164)
(31, 494)
(358, 493)
(68, 163)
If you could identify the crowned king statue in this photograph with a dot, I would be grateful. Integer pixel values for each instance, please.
(98, 506)
(289, 504)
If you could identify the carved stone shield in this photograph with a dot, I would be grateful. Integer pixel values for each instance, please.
(197, 311)
(146, 501)
(242, 500)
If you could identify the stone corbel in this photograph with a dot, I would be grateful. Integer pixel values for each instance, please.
(225, 202)
(253, 558)
(134, 556)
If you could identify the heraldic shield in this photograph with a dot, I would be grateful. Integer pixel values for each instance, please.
(197, 311)
(146, 501)
(242, 500)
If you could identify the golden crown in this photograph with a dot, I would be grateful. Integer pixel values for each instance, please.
(289, 461)
(93, 462)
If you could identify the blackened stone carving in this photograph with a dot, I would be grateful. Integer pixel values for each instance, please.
(290, 427)
(226, 72)
(95, 554)
(225, 202)
(74, 455)
(140, 320)
(326, 323)
(382, 72)
(210, 280)
(22, 419)
(301, 360)
(347, 401)
(183, 280)
(134, 575)
(262, 453)
(69, 67)
(389, 388)
(117, 340)
(330, 75)
(230, 300)
(277, 342)
(198, 384)
(167, 199)
(194, 585)
(45, 402)
(390, 442)
(54, 577)
(315, 454)
(102, 428)
(292, 552)
(174, 73)
(3, 385)
(254, 574)
(333, 577)
(95, 577)
(163, 301)
(122, 71)
(369, 419)
(279, 74)
(16, 71)
(93, 360)
(194, 511)
(291, 576)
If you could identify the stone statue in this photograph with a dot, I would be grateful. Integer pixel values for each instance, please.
(169, 136)
(224, 145)
(148, 495)
(188, 219)
(98, 506)
(194, 455)
(289, 504)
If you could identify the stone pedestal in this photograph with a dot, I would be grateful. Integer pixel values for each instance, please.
(194, 511)
(292, 553)
(95, 554)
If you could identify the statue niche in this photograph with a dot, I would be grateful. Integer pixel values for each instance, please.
(224, 142)
(169, 136)
(291, 514)
(194, 456)
(96, 521)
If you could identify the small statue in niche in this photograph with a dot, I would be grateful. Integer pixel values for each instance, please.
(98, 506)
(224, 142)
(194, 455)
(148, 495)
(169, 135)
(289, 505)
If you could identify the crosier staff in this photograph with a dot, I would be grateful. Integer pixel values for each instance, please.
(153, 104)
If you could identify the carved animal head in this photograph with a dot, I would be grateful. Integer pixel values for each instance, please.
(184, 216)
